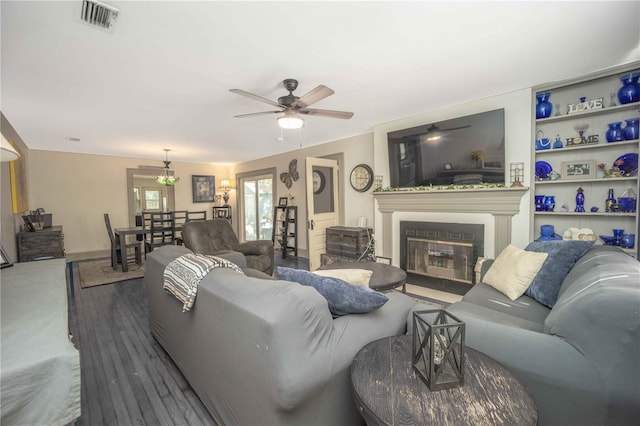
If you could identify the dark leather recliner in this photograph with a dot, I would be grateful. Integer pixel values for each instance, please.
(216, 237)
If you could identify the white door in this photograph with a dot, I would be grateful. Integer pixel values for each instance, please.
(322, 205)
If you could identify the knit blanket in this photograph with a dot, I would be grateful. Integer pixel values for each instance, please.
(183, 275)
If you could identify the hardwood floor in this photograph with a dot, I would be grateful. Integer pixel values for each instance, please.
(127, 378)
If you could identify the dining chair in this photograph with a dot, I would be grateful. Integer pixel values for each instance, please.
(197, 215)
(160, 231)
(179, 217)
(117, 246)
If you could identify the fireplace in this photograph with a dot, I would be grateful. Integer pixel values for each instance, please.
(441, 255)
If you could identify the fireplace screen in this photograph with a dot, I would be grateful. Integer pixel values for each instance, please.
(440, 259)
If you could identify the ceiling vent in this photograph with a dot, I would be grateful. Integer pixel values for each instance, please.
(98, 14)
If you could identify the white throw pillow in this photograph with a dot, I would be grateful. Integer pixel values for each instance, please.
(352, 276)
(514, 270)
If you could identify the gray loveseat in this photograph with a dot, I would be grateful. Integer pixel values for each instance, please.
(263, 351)
(581, 359)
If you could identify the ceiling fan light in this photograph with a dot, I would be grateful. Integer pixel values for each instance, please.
(290, 121)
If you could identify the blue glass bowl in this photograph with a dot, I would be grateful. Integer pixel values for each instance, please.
(608, 239)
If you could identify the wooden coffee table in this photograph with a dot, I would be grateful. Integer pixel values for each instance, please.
(388, 391)
(384, 277)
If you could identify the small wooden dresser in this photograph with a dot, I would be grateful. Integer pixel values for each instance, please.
(43, 244)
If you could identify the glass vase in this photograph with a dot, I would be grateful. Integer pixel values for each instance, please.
(630, 131)
(630, 90)
(543, 107)
(614, 134)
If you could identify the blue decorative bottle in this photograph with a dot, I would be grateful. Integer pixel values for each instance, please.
(580, 201)
(543, 107)
(630, 90)
(549, 203)
(609, 201)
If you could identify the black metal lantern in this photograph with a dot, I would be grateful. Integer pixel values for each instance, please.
(438, 349)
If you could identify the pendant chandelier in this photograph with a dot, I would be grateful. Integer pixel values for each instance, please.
(167, 178)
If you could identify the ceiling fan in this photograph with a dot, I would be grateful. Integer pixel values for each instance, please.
(293, 106)
(434, 133)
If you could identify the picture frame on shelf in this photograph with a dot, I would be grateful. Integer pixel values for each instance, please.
(203, 188)
(579, 169)
(6, 260)
(282, 202)
(383, 260)
(28, 224)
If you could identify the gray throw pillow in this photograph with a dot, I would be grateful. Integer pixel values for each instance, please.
(563, 254)
(343, 298)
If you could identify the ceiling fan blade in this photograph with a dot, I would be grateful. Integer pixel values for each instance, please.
(456, 128)
(255, 97)
(253, 114)
(313, 96)
(327, 113)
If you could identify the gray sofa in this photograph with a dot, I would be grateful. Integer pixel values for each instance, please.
(260, 351)
(581, 359)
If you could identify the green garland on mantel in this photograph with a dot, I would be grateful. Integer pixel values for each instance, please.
(449, 187)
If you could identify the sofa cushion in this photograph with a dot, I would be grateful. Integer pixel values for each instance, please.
(598, 255)
(562, 256)
(514, 270)
(342, 297)
(524, 307)
(352, 276)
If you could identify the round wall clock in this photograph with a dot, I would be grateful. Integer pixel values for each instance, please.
(361, 177)
(318, 181)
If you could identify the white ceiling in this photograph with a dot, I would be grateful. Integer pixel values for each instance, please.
(161, 79)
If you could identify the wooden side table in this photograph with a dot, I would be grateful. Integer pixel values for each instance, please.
(388, 391)
(384, 277)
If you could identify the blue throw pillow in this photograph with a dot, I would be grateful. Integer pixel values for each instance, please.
(343, 298)
(563, 254)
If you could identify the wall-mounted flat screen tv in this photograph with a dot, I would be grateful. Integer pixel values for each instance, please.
(461, 151)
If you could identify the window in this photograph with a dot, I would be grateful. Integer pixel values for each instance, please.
(151, 199)
(257, 206)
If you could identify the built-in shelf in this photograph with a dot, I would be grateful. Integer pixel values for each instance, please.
(604, 214)
(596, 180)
(591, 112)
(595, 187)
(632, 143)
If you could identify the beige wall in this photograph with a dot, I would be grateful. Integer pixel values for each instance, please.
(79, 188)
(353, 151)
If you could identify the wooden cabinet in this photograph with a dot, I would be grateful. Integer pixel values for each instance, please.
(586, 154)
(285, 230)
(43, 244)
(349, 241)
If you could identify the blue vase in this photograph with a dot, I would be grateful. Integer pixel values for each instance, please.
(544, 107)
(630, 90)
(539, 203)
(630, 132)
(549, 203)
(614, 133)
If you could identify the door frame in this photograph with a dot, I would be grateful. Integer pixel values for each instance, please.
(330, 218)
(272, 171)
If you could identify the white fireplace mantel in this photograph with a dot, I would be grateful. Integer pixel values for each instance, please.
(502, 203)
